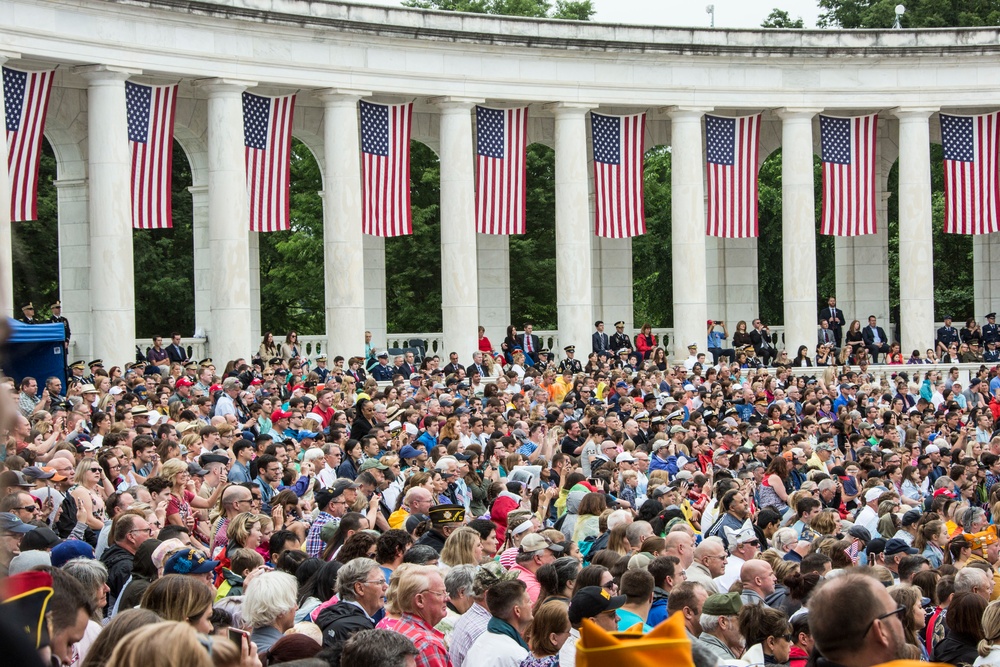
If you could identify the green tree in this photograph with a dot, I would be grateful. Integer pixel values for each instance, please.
(779, 18)
(579, 10)
(919, 14)
(291, 262)
(652, 274)
(35, 245)
(534, 299)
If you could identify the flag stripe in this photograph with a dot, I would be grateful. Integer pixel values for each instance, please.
(849, 149)
(732, 156)
(971, 180)
(385, 162)
(151, 111)
(267, 125)
(501, 166)
(26, 97)
(617, 143)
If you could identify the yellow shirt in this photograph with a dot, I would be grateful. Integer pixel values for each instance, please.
(397, 520)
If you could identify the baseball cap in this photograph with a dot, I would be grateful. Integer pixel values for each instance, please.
(35, 472)
(280, 414)
(898, 546)
(10, 523)
(624, 457)
(15, 478)
(372, 463)
(592, 601)
(873, 494)
(189, 561)
(409, 452)
(41, 537)
(910, 517)
(535, 542)
(66, 551)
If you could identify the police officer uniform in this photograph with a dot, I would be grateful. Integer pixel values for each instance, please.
(59, 319)
(569, 363)
(991, 330)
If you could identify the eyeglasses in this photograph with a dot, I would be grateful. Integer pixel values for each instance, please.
(95, 470)
(376, 582)
(898, 612)
(29, 508)
(148, 531)
(610, 586)
(442, 594)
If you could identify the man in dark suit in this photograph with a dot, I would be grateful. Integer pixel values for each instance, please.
(28, 314)
(875, 339)
(175, 351)
(529, 342)
(453, 364)
(477, 365)
(599, 340)
(835, 317)
(946, 335)
(57, 318)
(760, 338)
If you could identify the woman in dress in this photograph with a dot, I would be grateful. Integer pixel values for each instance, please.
(485, 346)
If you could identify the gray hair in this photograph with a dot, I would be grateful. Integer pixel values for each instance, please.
(354, 572)
(231, 383)
(970, 516)
(90, 572)
(784, 537)
(969, 578)
(459, 580)
(313, 454)
(827, 485)
(710, 622)
(269, 595)
(636, 531)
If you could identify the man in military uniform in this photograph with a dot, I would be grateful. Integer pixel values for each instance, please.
(543, 362)
(321, 370)
(445, 520)
(76, 372)
(57, 318)
(28, 314)
(992, 355)
(991, 330)
(569, 363)
(620, 340)
(946, 335)
(95, 365)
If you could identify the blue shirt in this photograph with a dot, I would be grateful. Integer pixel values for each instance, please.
(238, 474)
(715, 339)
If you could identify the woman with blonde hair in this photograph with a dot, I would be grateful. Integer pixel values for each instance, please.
(89, 492)
(463, 547)
(826, 522)
(989, 648)
(168, 643)
(182, 495)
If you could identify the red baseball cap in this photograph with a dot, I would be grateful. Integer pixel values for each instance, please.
(183, 382)
(280, 414)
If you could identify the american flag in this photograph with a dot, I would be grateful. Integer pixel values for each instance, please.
(617, 144)
(853, 551)
(385, 168)
(26, 97)
(848, 155)
(267, 133)
(971, 180)
(501, 147)
(151, 142)
(733, 150)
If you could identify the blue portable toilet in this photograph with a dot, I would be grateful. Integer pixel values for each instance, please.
(35, 350)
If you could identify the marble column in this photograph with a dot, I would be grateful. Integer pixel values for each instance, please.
(986, 273)
(613, 283)
(493, 265)
(687, 234)
(916, 245)
(112, 277)
(373, 248)
(343, 249)
(6, 241)
(74, 263)
(202, 260)
(459, 274)
(574, 280)
(798, 228)
(231, 332)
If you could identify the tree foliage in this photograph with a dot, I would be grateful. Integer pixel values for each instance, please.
(532, 254)
(578, 10)
(779, 18)
(919, 13)
(652, 274)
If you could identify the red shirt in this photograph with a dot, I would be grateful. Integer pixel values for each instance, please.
(327, 415)
(429, 642)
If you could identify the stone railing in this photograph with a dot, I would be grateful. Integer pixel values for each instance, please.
(196, 348)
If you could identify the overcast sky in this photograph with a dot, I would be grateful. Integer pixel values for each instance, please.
(728, 13)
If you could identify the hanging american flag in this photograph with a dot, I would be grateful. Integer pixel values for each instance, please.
(26, 97)
(501, 147)
(848, 155)
(617, 145)
(385, 168)
(733, 151)
(151, 142)
(971, 179)
(267, 132)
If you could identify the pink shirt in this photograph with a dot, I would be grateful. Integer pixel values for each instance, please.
(530, 582)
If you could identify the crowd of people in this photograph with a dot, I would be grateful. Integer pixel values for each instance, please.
(286, 510)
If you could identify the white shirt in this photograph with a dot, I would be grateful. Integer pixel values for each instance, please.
(567, 654)
(493, 650)
(868, 518)
(731, 575)
(327, 476)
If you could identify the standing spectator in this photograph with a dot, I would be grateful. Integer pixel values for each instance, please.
(835, 318)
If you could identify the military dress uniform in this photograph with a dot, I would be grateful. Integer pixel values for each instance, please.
(28, 314)
(59, 319)
(620, 340)
(543, 365)
(570, 364)
(991, 330)
(947, 335)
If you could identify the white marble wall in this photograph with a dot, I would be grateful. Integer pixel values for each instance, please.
(74, 261)
(613, 282)
(493, 260)
(375, 310)
(202, 259)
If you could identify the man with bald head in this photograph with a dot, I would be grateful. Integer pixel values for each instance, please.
(709, 562)
(758, 581)
(235, 500)
(871, 634)
(680, 545)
